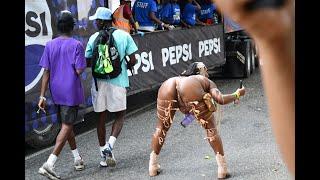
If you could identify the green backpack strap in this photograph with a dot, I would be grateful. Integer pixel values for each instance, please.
(111, 42)
(95, 55)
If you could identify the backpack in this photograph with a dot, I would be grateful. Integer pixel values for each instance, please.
(106, 63)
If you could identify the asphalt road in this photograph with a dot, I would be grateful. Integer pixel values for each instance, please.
(250, 149)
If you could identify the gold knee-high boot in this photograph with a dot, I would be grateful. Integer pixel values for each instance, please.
(222, 167)
(154, 166)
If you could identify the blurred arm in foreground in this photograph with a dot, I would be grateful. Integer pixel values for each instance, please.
(273, 31)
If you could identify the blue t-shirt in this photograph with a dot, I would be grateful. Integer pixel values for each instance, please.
(206, 11)
(159, 8)
(189, 14)
(171, 13)
(125, 46)
(141, 9)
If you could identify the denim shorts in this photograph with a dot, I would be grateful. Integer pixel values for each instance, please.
(67, 114)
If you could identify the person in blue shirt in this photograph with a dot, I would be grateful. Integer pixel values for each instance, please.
(159, 4)
(206, 14)
(170, 13)
(189, 13)
(144, 13)
(159, 8)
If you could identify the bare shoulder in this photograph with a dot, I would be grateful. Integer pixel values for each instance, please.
(206, 82)
(201, 78)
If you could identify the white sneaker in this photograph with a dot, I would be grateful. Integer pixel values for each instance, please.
(103, 162)
(107, 152)
(48, 171)
(78, 164)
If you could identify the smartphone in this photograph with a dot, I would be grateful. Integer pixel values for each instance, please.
(240, 84)
(258, 4)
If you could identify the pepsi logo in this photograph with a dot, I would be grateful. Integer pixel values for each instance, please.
(38, 32)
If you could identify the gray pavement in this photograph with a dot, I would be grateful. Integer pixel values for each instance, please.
(250, 149)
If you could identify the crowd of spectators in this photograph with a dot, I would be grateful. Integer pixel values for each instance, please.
(139, 16)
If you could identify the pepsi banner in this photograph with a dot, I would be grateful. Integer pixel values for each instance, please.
(161, 55)
(165, 54)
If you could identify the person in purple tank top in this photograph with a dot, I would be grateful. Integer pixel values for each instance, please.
(63, 61)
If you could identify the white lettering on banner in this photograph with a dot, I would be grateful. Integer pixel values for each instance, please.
(37, 23)
(178, 53)
(144, 60)
(173, 54)
(38, 31)
(216, 44)
(207, 46)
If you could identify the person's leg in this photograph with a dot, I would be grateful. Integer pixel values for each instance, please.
(99, 99)
(78, 162)
(101, 132)
(67, 115)
(101, 128)
(117, 124)
(47, 168)
(72, 141)
(214, 138)
(62, 138)
(163, 125)
(116, 102)
(166, 108)
(161, 131)
(116, 129)
(215, 142)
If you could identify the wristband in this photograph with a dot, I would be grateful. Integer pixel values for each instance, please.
(42, 97)
(236, 95)
(162, 24)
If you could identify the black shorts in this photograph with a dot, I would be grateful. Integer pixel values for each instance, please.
(67, 114)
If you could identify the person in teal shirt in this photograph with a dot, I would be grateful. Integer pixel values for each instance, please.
(111, 95)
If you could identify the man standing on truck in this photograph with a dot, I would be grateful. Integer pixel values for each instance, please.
(111, 95)
(63, 61)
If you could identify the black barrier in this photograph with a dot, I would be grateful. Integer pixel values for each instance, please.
(165, 54)
(161, 55)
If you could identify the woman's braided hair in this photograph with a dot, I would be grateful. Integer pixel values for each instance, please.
(191, 70)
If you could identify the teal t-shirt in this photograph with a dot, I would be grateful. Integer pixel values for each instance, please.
(125, 46)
